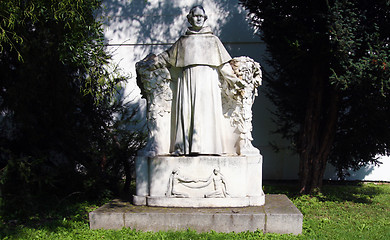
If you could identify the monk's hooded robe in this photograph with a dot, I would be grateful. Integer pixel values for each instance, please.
(198, 123)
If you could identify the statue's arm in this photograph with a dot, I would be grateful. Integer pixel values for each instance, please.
(168, 57)
(224, 184)
(186, 180)
(207, 181)
(153, 62)
(162, 60)
(229, 76)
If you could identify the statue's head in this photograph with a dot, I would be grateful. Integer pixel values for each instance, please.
(196, 17)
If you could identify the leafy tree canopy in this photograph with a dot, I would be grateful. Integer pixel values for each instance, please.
(58, 137)
(331, 79)
(79, 38)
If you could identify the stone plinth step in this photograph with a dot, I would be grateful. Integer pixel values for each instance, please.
(278, 215)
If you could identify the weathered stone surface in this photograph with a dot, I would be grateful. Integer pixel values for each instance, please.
(278, 215)
(204, 202)
(106, 220)
(282, 215)
(199, 98)
(200, 122)
(199, 181)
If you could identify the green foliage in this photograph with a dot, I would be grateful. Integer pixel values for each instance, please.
(329, 57)
(360, 37)
(342, 212)
(79, 37)
(58, 96)
(339, 212)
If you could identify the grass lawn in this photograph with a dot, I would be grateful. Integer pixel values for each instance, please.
(339, 212)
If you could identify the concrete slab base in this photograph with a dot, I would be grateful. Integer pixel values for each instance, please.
(278, 215)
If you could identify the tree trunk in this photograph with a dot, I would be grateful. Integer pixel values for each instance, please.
(317, 133)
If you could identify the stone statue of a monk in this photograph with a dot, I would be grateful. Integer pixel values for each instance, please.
(199, 104)
(198, 119)
(198, 100)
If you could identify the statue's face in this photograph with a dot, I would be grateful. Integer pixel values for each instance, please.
(197, 19)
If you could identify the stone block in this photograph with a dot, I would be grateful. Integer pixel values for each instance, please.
(106, 220)
(282, 215)
(221, 181)
(200, 220)
(278, 215)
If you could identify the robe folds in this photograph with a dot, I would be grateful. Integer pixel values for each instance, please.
(198, 124)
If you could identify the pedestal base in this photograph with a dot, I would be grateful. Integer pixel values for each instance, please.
(278, 215)
(199, 181)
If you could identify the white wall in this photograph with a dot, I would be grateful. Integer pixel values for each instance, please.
(135, 28)
(366, 173)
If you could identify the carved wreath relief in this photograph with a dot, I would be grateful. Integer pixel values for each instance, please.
(156, 87)
(237, 103)
(216, 178)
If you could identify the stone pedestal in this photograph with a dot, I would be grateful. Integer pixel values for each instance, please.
(199, 181)
(278, 215)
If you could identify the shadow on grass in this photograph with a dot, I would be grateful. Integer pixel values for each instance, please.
(53, 215)
(356, 192)
(289, 188)
(48, 216)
